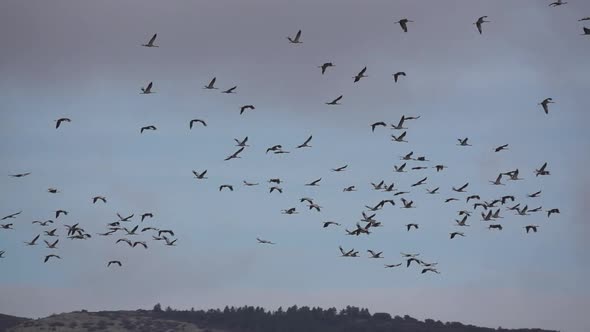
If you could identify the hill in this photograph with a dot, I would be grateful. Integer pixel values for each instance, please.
(244, 319)
(7, 321)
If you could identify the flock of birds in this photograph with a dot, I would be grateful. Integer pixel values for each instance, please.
(490, 209)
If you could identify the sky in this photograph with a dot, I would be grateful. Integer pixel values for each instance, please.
(83, 60)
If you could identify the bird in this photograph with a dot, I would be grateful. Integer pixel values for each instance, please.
(2, 252)
(59, 121)
(416, 168)
(6, 226)
(360, 75)
(451, 199)
(200, 176)
(126, 218)
(408, 156)
(51, 232)
(404, 24)
(249, 184)
(552, 211)
(114, 262)
(150, 43)
(531, 227)
(409, 255)
(328, 223)
(523, 211)
(430, 269)
(60, 212)
(126, 241)
(230, 90)
(211, 85)
(410, 260)
(350, 253)
(397, 75)
(407, 204)
(296, 39)
(34, 241)
(399, 138)
(335, 101)
(274, 148)
(534, 195)
(146, 215)
(400, 124)
(557, 3)
(141, 243)
(148, 89)
(12, 216)
(453, 234)
(325, 66)
(433, 191)
(461, 189)
(440, 167)
(497, 181)
(586, 31)
(51, 245)
(290, 211)
(462, 222)
(306, 199)
(280, 190)
(545, 104)
(98, 198)
(584, 19)
(147, 128)
(463, 142)
(495, 226)
(264, 241)
(472, 197)
(537, 209)
(230, 187)
(380, 123)
(50, 256)
(542, 171)
(306, 143)
(389, 266)
(419, 183)
(375, 254)
(246, 107)
(349, 189)
(242, 142)
(43, 223)
(399, 169)
(314, 182)
(501, 147)
(235, 154)
(193, 121)
(339, 169)
(479, 22)
(20, 175)
(409, 226)
(165, 231)
(52, 190)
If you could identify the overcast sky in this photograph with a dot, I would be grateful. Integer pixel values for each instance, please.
(83, 60)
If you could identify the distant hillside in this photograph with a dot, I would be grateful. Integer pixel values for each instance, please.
(10, 321)
(243, 319)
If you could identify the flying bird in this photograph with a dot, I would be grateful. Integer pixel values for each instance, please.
(501, 147)
(400, 124)
(147, 128)
(193, 121)
(335, 101)
(246, 107)
(200, 176)
(230, 187)
(230, 90)
(534, 195)
(397, 75)
(586, 31)
(150, 43)
(211, 85)
(261, 241)
(60, 212)
(51, 245)
(306, 143)
(479, 22)
(242, 142)
(389, 266)
(250, 184)
(557, 3)
(542, 170)
(375, 254)
(235, 154)
(584, 19)
(453, 234)
(409, 226)
(50, 256)
(11, 216)
(380, 123)
(328, 223)
(419, 183)
(433, 191)
(126, 218)
(34, 241)
(146, 215)
(99, 198)
(296, 39)
(461, 189)
(531, 227)
(20, 175)
(339, 169)
(463, 142)
(314, 183)
(114, 262)
(58, 122)
(403, 23)
(399, 138)
(360, 75)
(325, 66)
(545, 104)
(148, 89)
(552, 211)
